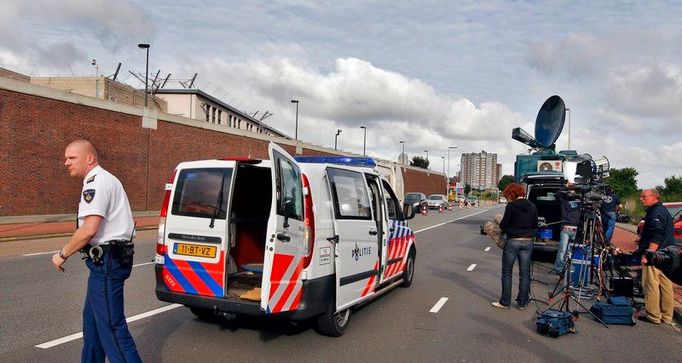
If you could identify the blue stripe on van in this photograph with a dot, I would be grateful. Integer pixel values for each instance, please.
(206, 278)
(178, 276)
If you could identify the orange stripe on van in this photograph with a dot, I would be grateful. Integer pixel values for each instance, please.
(291, 284)
(192, 277)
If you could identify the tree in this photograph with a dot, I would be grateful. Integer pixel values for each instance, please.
(672, 191)
(420, 162)
(504, 181)
(467, 189)
(623, 182)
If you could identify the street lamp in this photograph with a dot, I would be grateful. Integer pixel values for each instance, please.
(296, 130)
(338, 131)
(427, 155)
(569, 127)
(364, 139)
(443, 160)
(146, 71)
(402, 156)
(449, 147)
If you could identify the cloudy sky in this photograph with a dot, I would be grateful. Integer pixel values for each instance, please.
(432, 73)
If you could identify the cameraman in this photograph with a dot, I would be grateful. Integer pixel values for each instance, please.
(609, 208)
(569, 204)
(657, 234)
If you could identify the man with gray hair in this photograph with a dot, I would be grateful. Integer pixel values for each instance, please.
(657, 234)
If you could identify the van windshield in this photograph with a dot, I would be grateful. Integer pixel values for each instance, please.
(197, 192)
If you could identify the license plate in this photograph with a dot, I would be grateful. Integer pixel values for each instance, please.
(187, 249)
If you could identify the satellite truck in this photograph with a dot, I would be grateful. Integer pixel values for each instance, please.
(544, 170)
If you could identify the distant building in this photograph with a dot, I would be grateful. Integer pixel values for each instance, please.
(6, 73)
(480, 170)
(199, 105)
(102, 88)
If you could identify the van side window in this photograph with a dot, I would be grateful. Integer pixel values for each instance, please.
(351, 200)
(197, 193)
(290, 190)
(394, 211)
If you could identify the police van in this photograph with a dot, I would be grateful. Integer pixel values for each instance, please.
(298, 238)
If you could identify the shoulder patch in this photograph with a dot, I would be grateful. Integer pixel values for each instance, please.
(88, 195)
(91, 179)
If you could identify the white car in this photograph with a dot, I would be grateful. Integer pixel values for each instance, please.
(437, 201)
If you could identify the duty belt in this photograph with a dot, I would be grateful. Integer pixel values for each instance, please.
(120, 249)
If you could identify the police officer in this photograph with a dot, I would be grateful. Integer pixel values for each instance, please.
(105, 223)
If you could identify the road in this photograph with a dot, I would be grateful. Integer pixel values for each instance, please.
(444, 316)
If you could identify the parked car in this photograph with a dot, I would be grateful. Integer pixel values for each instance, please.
(417, 200)
(502, 200)
(675, 209)
(438, 201)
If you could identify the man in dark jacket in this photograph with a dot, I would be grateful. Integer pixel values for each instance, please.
(659, 299)
(609, 209)
(569, 204)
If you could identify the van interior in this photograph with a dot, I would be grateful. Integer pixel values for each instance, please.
(249, 213)
(544, 198)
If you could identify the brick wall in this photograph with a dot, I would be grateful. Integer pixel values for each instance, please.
(34, 130)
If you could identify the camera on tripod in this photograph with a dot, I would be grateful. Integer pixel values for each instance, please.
(668, 260)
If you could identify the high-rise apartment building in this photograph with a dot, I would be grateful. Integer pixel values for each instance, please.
(480, 170)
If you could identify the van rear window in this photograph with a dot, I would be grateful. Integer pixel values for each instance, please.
(198, 193)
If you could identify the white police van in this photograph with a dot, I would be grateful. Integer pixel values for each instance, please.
(298, 238)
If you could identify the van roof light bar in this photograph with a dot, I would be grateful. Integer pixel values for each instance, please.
(339, 160)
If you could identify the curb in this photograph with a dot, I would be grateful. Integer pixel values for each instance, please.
(55, 235)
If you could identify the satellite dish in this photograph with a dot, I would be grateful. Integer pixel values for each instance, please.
(550, 121)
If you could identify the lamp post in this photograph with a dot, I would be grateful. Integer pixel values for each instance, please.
(569, 127)
(443, 160)
(338, 131)
(296, 129)
(145, 46)
(449, 147)
(402, 156)
(364, 140)
(427, 155)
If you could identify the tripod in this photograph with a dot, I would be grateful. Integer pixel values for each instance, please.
(567, 291)
(531, 295)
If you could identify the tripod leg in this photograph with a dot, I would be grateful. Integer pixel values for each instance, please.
(588, 310)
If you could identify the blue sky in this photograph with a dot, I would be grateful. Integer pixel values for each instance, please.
(433, 73)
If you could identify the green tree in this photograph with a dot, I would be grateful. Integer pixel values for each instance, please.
(467, 189)
(623, 182)
(419, 162)
(504, 181)
(672, 191)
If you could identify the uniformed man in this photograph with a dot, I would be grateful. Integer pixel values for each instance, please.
(659, 297)
(105, 231)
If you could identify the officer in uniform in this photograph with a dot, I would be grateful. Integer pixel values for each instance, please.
(104, 235)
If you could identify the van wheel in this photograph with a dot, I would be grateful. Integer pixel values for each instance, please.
(204, 314)
(333, 324)
(408, 274)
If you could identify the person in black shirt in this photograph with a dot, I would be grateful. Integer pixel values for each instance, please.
(659, 298)
(609, 213)
(519, 223)
(569, 204)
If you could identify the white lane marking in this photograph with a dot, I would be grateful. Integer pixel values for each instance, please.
(487, 249)
(472, 267)
(438, 305)
(144, 263)
(444, 223)
(79, 335)
(40, 253)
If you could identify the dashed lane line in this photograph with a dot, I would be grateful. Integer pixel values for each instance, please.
(472, 267)
(79, 335)
(438, 305)
(487, 249)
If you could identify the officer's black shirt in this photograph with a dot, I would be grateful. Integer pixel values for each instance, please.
(569, 204)
(658, 228)
(520, 219)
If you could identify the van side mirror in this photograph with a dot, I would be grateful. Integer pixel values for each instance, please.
(408, 211)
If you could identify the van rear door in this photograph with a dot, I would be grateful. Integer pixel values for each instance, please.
(196, 228)
(285, 246)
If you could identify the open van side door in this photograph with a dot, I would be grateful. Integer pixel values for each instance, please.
(285, 247)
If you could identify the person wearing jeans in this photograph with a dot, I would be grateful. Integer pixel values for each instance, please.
(569, 204)
(519, 223)
(609, 213)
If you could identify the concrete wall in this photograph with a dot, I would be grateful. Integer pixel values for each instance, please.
(36, 124)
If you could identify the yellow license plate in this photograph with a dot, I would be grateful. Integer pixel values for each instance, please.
(187, 249)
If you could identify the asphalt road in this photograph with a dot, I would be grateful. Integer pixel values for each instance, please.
(41, 307)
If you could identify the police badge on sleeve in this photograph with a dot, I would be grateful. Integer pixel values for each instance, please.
(88, 195)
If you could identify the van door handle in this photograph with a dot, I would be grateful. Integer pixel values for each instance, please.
(373, 232)
(283, 237)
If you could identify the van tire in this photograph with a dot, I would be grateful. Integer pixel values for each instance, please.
(331, 323)
(203, 314)
(408, 274)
